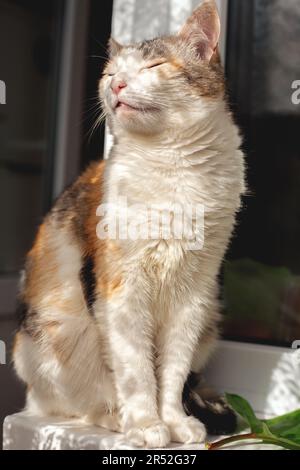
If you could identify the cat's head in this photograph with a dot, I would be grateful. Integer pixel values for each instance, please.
(163, 83)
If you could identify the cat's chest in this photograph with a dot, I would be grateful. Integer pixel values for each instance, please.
(162, 202)
(166, 185)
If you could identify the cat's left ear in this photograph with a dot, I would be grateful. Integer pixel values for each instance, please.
(202, 29)
(114, 47)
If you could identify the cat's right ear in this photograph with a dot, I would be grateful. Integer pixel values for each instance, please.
(202, 30)
(114, 47)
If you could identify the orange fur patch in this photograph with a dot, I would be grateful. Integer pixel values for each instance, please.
(79, 221)
(16, 342)
(106, 253)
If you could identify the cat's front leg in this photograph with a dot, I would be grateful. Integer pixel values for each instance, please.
(131, 349)
(177, 343)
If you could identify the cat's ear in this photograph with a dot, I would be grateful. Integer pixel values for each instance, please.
(114, 47)
(202, 29)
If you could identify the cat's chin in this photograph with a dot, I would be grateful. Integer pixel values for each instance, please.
(138, 120)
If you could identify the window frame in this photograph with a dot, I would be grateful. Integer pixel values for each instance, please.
(258, 364)
(63, 162)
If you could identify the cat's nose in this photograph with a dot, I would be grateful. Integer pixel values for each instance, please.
(117, 84)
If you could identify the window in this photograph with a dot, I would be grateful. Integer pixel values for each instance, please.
(49, 74)
(262, 272)
(29, 35)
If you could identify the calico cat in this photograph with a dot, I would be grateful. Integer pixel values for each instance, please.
(112, 327)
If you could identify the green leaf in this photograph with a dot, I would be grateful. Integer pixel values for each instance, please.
(283, 431)
(268, 438)
(266, 432)
(285, 423)
(244, 409)
(292, 434)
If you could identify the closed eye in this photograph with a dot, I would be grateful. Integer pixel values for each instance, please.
(156, 64)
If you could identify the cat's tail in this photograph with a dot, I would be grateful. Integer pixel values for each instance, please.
(208, 407)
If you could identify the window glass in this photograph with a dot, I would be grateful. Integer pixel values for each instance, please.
(261, 276)
(29, 34)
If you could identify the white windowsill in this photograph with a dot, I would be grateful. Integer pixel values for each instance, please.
(265, 375)
(24, 432)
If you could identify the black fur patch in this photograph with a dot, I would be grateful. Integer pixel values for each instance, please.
(216, 422)
(88, 281)
(26, 317)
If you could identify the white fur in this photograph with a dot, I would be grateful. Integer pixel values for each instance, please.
(171, 293)
(153, 327)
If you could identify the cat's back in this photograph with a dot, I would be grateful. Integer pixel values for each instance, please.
(75, 208)
(64, 240)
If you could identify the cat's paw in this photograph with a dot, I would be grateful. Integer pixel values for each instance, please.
(187, 430)
(152, 436)
(107, 421)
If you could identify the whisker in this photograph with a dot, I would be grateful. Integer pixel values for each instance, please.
(93, 115)
(98, 57)
(93, 106)
(93, 98)
(100, 44)
(96, 125)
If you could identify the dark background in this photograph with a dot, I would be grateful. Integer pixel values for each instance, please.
(31, 37)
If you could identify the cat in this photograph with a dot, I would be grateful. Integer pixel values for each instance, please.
(115, 330)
